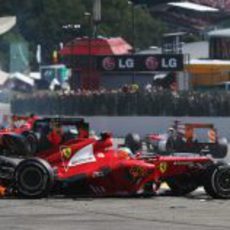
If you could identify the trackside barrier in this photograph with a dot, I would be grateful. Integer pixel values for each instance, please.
(156, 103)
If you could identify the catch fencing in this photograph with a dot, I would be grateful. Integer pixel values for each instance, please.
(158, 103)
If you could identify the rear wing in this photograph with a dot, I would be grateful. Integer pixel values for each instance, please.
(80, 123)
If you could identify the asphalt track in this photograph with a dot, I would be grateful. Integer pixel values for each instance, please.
(196, 211)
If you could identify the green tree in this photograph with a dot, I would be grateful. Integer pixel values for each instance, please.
(40, 22)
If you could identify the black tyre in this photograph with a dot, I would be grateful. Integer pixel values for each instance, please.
(7, 167)
(217, 181)
(15, 145)
(133, 141)
(183, 185)
(221, 148)
(34, 178)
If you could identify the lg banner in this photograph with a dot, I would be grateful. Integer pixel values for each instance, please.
(140, 63)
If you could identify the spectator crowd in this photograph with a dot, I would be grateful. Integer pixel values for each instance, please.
(128, 101)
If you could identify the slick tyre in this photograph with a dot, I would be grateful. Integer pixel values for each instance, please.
(221, 149)
(34, 178)
(217, 181)
(181, 186)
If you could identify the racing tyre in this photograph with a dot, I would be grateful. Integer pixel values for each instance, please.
(34, 178)
(15, 145)
(133, 141)
(7, 167)
(182, 185)
(221, 150)
(217, 181)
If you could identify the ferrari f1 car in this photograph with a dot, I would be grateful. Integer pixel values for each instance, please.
(201, 138)
(86, 165)
(18, 126)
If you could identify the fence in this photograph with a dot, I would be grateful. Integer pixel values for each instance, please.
(157, 103)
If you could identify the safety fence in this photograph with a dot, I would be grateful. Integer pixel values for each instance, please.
(156, 103)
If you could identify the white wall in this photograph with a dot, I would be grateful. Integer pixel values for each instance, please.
(120, 126)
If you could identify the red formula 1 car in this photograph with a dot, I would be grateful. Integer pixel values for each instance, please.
(91, 166)
(18, 126)
(201, 138)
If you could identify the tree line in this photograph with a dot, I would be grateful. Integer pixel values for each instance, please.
(40, 22)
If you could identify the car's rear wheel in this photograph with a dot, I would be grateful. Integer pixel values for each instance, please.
(34, 178)
(217, 181)
(182, 185)
(220, 150)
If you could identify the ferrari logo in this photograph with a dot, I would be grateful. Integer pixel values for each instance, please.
(66, 152)
(163, 167)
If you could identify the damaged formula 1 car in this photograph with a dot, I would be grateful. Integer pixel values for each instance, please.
(84, 165)
(200, 138)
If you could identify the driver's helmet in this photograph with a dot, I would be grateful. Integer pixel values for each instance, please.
(171, 131)
(125, 152)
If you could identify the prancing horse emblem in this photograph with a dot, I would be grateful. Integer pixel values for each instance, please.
(163, 167)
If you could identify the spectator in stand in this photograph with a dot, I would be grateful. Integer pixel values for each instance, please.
(148, 88)
(125, 89)
(134, 88)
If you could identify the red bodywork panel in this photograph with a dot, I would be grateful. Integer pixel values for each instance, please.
(103, 171)
(89, 166)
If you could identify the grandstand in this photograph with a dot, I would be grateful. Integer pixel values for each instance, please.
(223, 5)
(194, 16)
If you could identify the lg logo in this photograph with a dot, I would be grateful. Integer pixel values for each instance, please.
(152, 63)
(141, 63)
(109, 63)
(126, 63)
(170, 63)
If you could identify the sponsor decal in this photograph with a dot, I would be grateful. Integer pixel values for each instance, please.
(66, 152)
(137, 172)
(151, 63)
(83, 156)
(126, 63)
(101, 155)
(163, 166)
(98, 174)
(186, 163)
(108, 63)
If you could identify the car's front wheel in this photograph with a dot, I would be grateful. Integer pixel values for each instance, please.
(217, 181)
